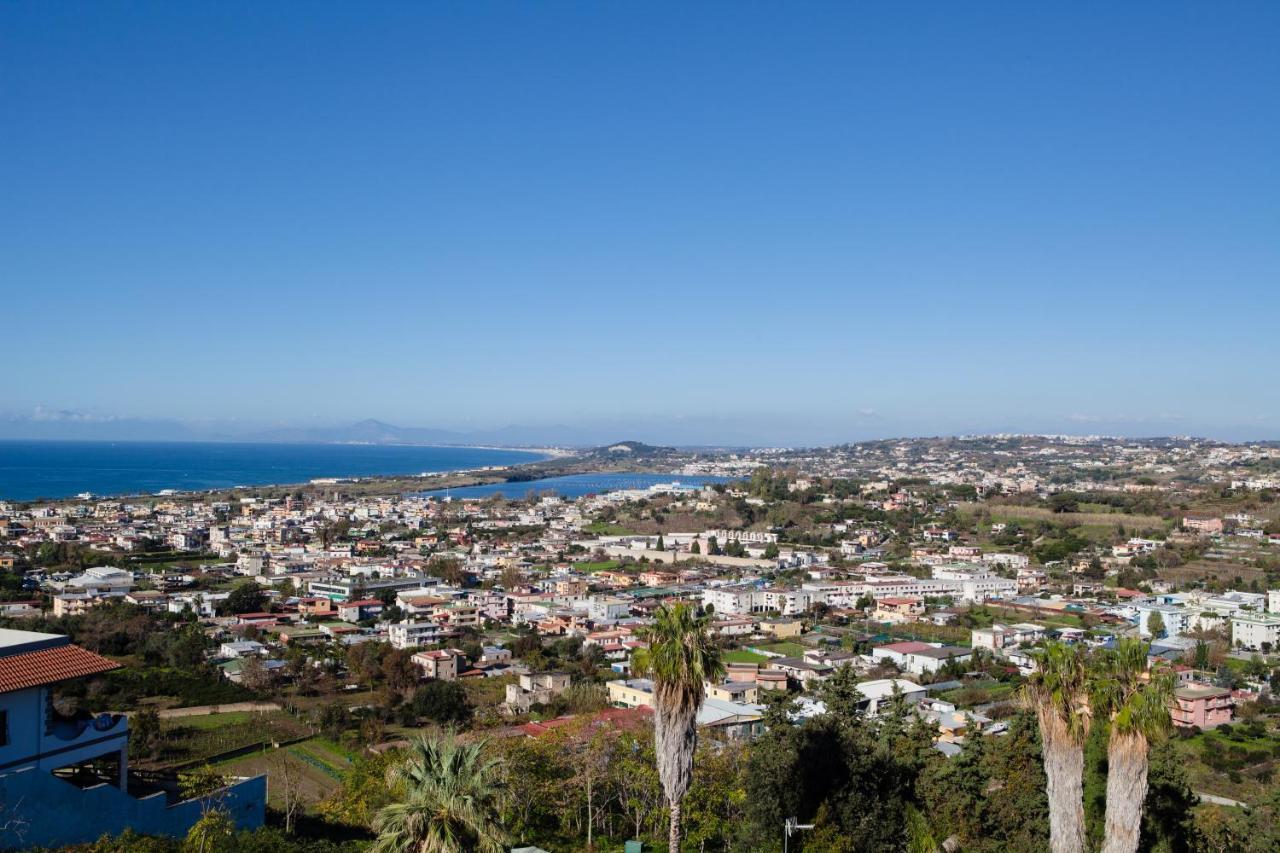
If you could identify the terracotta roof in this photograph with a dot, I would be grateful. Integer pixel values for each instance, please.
(49, 666)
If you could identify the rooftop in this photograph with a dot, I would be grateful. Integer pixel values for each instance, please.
(45, 659)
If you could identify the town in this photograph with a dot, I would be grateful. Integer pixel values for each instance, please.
(882, 617)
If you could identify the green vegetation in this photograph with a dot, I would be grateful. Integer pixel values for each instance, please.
(187, 739)
(597, 566)
(783, 648)
(742, 656)
(601, 528)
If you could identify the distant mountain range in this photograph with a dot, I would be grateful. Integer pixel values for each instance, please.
(365, 432)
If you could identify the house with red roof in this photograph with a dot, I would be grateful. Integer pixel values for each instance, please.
(64, 778)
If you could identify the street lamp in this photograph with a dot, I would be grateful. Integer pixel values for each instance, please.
(789, 826)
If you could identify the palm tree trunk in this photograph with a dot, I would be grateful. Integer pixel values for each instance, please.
(1126, 792)
(673, 844)
(1064, 769)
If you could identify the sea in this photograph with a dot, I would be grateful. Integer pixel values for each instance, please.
(30, 470)
(574, 485)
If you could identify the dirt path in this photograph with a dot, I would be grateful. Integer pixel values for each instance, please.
(201, 710)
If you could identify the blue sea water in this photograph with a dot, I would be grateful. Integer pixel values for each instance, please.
(574, 485)
(59, 469)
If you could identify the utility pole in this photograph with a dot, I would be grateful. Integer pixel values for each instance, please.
(789, 826)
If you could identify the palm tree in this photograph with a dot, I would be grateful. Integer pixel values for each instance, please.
(450, 800)
(680, 658)
(1136, 705)
(1057, 693)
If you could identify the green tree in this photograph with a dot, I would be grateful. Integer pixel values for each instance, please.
(1201, 659)
(214, 832)
(443, 702)
(1135, 704)
(450, 802)
(681, 656)
(1155, 625)
(246, 597)
(145, 738)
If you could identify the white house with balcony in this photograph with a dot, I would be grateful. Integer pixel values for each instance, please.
(65, 779)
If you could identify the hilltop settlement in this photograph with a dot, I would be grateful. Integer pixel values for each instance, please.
(244, 667)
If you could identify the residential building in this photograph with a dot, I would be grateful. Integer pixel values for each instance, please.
(1255, 631)
(443, 664)
(1201, 706)
(358, 611)
(882, 692)
(409, 633)
(66, 780)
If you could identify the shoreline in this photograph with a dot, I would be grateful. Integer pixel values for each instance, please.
(399, 482)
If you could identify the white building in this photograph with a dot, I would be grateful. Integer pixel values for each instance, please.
(884, 691)
(408, 634)
(607, 608)
(1177, 620)
(1251, 630)
(100, 581)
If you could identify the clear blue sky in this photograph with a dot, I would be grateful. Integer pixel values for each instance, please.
(808, 221)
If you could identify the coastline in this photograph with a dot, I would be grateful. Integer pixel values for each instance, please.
(358, 483)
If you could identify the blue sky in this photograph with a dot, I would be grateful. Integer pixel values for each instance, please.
(792, 223)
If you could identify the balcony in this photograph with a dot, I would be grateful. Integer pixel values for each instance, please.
(87, 727)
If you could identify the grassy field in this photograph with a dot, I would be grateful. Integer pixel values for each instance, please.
(990, 613)
(980, 693)
(601, 566)
(1213, 570)
(783, 648)
(925, 632)
(742, 656)
(1007, 513)
(194, 738)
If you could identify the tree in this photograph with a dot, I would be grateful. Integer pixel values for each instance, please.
(450, 802)
(1136, 705)
(447, 569)
(1057, 694)
(1155, 624)
(145, 734)
(442, 702)
(285, 779)
(661, 546)
(511, 578)
(254, 674)
(681, 656)
(247, 597)
(1201, 659)
(398, 668)
(214, 832)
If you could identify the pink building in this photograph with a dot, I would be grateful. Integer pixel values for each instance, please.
(1201, 706)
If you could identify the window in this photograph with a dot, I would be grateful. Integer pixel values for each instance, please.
(4, 728)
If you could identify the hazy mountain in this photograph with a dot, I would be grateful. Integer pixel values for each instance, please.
(368, 431)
